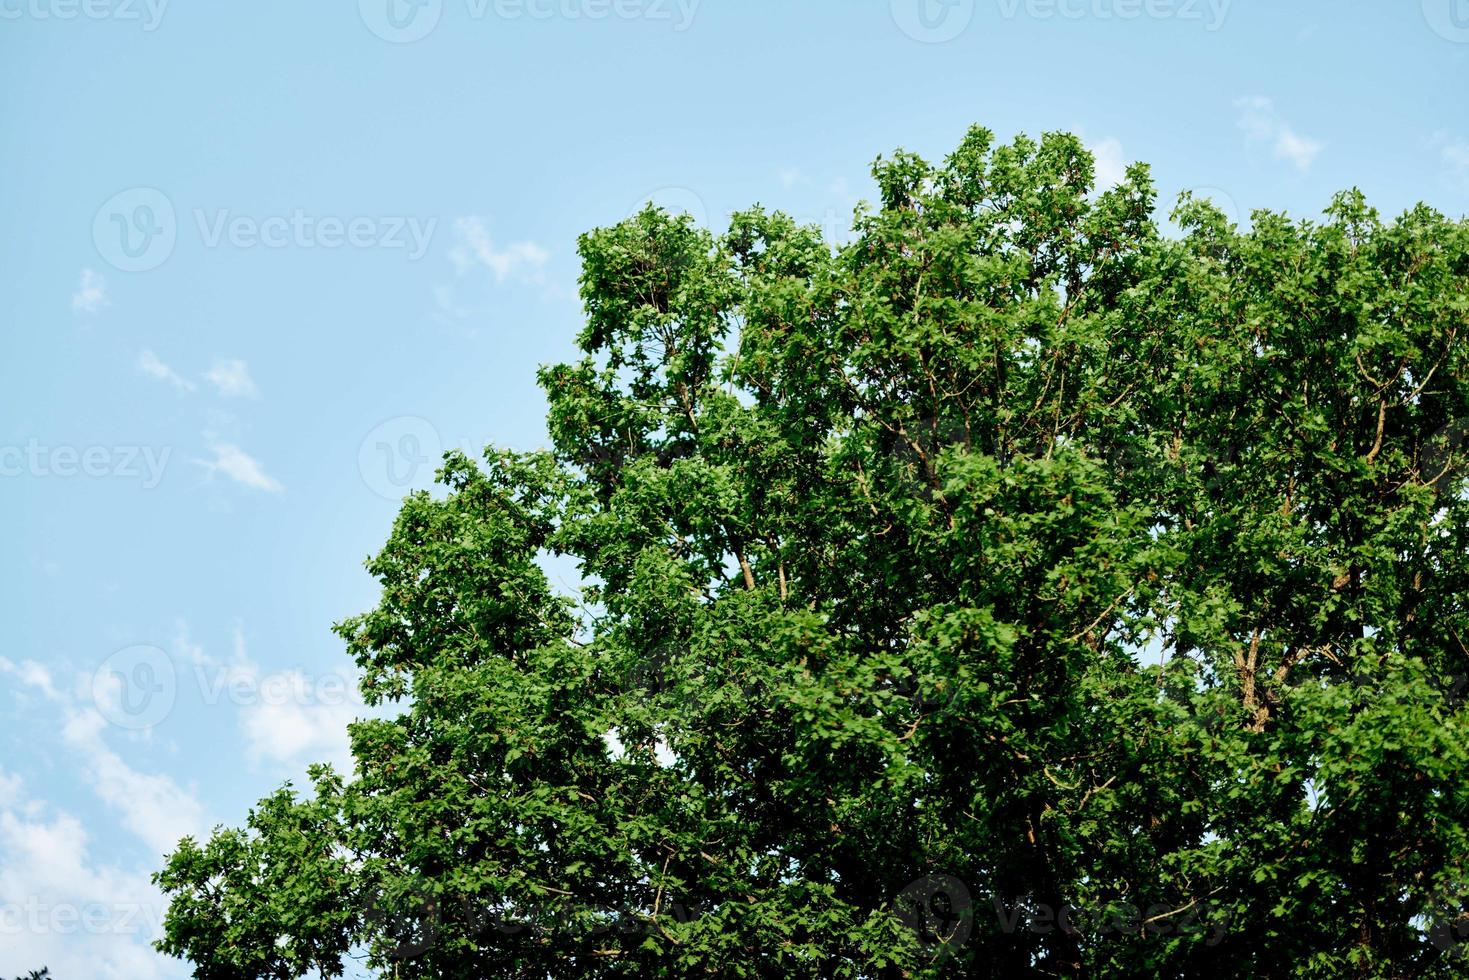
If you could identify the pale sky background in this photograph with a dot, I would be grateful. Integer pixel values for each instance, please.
(261, 260)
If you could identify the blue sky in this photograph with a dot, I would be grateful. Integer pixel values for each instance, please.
(263, 260)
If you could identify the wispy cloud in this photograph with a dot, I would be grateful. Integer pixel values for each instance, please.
(299, 723)
(1261, 123)
(1111, 165)
(239, 466)
(150, 364)
(291, 716)
(31, 674)
(231, 378)
(45, 855)
(91, 294)
(448, 309)
(1454, 155)
(156, 809)
(474, 248)
(46, 858)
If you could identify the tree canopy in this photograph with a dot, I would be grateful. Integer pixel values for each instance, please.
(1012, 589)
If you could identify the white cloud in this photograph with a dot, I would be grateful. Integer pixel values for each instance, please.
(91, 294)
(791, 176)
(10, 790)
(1256, 117)
(1111, 166)
(31, 674)
(149, 364)
(1454, 155)
(521, 260)
(153, 807)
(287, 716)
(185, 647)
(231, 378)
(58, 905)
(1261, 123)
(448, 304)
(1299, 150)
(299, 718)
(62, 909)
(239, 466)
(67, 903)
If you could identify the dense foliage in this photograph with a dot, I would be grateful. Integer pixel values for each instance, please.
(1013, 590)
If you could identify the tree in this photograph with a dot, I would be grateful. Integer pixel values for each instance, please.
(1011, 591)
(41, 974)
